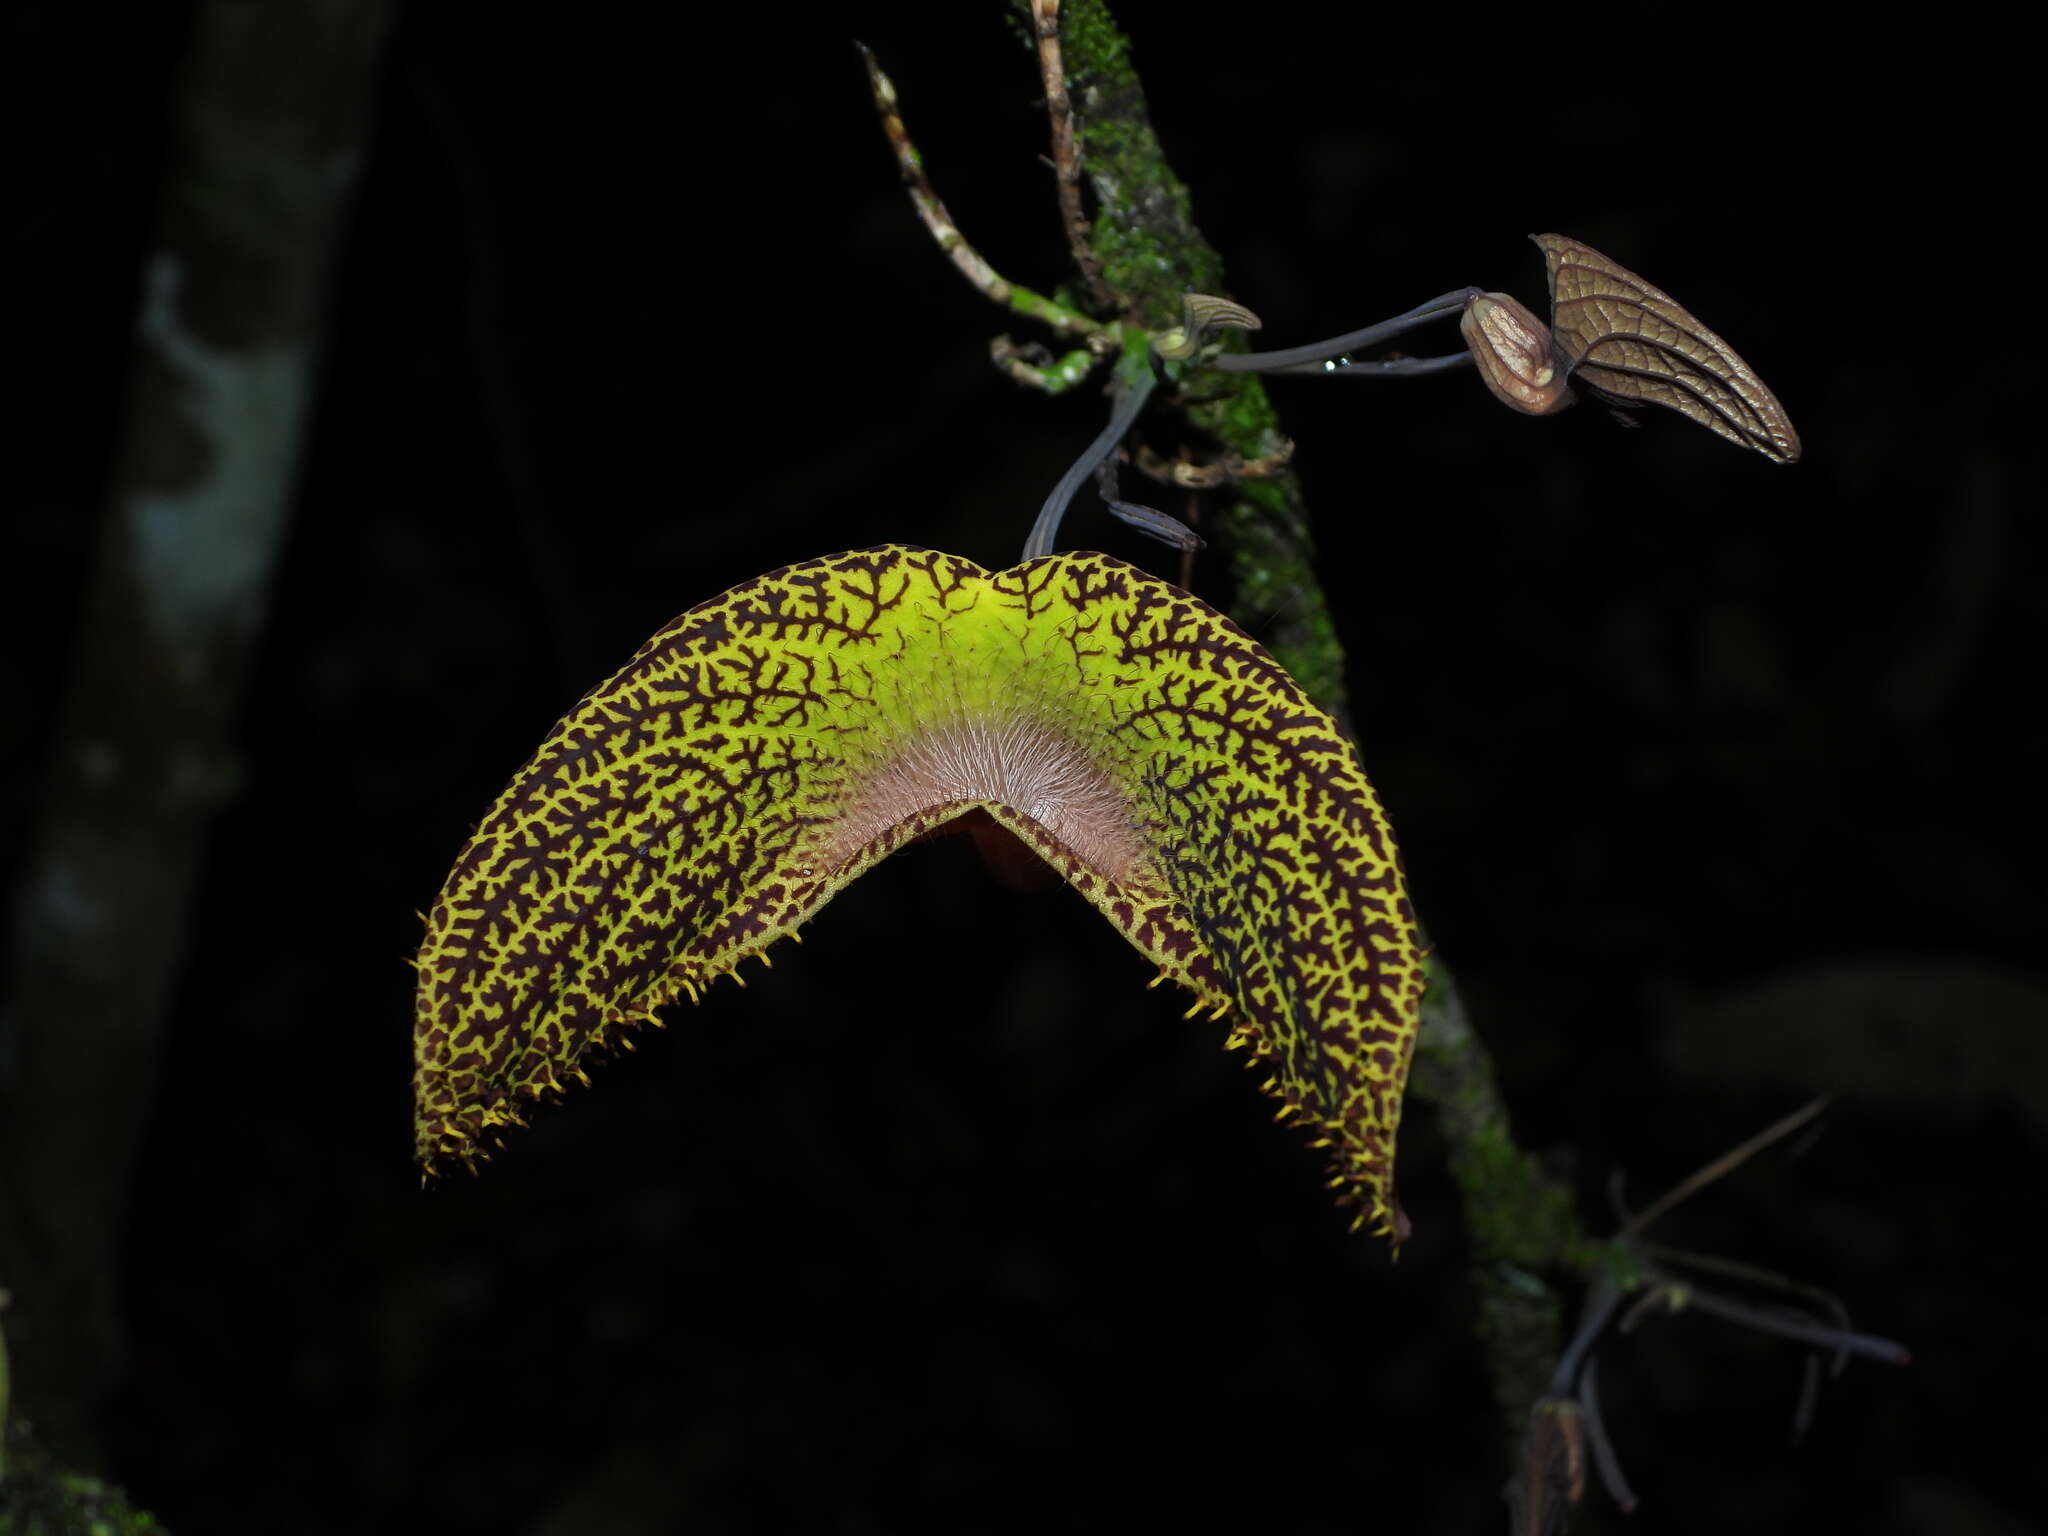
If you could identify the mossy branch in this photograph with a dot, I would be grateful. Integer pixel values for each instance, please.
(1151, 256)
(1524, 1229)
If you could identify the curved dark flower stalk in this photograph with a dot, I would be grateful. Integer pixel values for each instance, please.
(1727, 1162)
(1604, 1460)
(1825, 1303)
(1611, 334)
(1135, 382)
(1325, 356)
(1782, 1323)
(1386, 368)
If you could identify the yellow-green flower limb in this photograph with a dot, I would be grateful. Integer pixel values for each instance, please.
(773, 744)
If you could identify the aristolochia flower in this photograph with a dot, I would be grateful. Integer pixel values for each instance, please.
(771, 745)
(1512, 350)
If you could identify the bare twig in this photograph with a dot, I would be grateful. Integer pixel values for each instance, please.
(1652, 1298)
(987, 281)
(1604, 1459)
(1575, 1382)
(1053, 375)
(1634, 1274)
(1066, 158)
(1228, 470)
(1824, 1301)
(1788, 1326)
(1723, 1165)
(1600, 1307)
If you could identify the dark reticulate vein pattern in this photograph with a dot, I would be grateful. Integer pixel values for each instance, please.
(770, 745)
(1629, 340)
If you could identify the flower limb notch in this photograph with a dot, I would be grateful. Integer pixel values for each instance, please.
(771, 745)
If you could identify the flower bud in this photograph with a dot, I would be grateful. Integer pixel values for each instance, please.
(1201, 313)
(1512, 348)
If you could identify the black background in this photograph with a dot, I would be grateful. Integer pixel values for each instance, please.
(948, 1224)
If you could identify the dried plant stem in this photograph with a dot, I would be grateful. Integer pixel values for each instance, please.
(1066, 158)
(1784, 1325)
(1723, 1165)
(1316, 354)
(970, 262)
(1054, 377)
(1824, 1302)
(1604, 1459)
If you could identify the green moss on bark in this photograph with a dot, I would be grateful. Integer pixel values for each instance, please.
(1152, 254)
(1144, 235)
(39, 1500)
(1523, 1225)
(1524, 1228)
